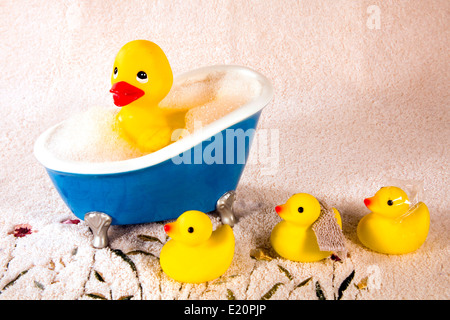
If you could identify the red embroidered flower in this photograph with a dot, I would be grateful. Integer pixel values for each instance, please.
(21, 230)
(335, 257)
(69, 221)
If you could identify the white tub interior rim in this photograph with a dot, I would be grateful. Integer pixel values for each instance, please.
(48, 160)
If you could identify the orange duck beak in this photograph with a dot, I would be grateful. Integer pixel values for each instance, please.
(125, 93)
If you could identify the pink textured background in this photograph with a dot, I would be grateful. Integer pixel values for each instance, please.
(354, 106)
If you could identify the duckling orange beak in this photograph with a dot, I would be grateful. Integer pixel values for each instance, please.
(125, 93)
(167, 228)
(279, 209)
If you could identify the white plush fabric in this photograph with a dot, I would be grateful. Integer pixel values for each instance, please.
(358, 102)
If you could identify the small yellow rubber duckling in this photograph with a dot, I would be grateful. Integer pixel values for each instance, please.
(393, 227)
(196, 253)
(295, 237)
(141, 78)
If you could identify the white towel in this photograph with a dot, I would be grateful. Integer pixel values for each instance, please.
(361, 95)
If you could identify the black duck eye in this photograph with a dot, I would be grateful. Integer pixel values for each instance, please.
(141, 77)
(116, 72)
(390, 202)
(300, 209)
(190, 229)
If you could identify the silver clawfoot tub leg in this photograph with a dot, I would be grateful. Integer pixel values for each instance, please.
(99, 223)
(225, 208)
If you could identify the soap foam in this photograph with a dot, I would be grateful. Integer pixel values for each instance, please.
(231, 92)
(90, 136)
(194, 91)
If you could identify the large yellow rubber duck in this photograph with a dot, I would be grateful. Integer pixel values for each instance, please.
(141, 78)
(294, 237)
(393, 227)
(195, 253)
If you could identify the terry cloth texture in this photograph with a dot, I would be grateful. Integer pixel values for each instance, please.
(328, 232)
(361, 97)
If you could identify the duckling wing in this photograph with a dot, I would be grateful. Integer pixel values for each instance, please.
(337, 215)
(417, 217)
(154, 138)
(222, 239)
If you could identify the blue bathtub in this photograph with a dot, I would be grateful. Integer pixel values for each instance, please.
(164, 184)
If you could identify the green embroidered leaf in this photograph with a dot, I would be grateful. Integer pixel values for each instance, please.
(285, 272)
(303, 283)
(222, 279)
(74, 251)
(319, 292)
(344, 285)
(98, 276)
(96, 296)
(126, 297)
(14, 280)
(230, 295)
(272, 291)
(134, 252)
(39, 285)
(125, 258)
(144, 237)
